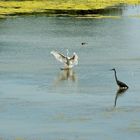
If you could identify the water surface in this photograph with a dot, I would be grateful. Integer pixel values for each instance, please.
(38, 101)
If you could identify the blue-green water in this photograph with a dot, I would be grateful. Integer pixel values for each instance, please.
(40, 102)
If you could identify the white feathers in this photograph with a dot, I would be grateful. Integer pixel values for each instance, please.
(74, 59)
(59, 56)
(69, 62)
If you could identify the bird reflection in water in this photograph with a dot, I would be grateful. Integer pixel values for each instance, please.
(120, 92)
(67, 74)
(122, 87)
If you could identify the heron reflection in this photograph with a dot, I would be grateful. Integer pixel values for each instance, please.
(119, 92)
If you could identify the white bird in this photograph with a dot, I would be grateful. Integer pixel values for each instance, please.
(69, 62)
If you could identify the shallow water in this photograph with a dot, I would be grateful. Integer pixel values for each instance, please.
(39, 102)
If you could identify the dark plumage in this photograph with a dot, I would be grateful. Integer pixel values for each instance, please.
(83, 43)
(119, 83)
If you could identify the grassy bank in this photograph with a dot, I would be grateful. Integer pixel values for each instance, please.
(14, 7)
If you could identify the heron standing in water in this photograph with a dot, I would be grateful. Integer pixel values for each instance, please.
(119, 83)
(69, 62)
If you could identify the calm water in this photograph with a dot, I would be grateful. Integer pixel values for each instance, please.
(40, 102)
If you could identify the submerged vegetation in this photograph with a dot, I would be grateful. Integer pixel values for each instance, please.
(16, 7)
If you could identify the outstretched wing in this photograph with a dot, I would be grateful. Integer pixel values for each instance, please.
(74, 59)
(60, 57)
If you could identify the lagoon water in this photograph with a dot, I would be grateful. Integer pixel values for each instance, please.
(40, 102)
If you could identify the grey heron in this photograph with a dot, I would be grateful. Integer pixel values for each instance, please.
(119, 83)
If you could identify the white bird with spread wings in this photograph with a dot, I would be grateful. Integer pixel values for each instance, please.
(69, 62)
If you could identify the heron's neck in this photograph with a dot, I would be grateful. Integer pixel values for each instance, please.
(115, 75)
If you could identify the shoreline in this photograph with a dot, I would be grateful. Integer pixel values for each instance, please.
(69, 7)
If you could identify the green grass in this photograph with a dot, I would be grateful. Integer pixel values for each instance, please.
(14, 7)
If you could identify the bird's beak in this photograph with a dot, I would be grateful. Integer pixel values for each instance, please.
(110, 69)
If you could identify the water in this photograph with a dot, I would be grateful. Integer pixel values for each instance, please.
(39, 102)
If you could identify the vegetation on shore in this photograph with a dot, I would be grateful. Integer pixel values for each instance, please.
(13, 7)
